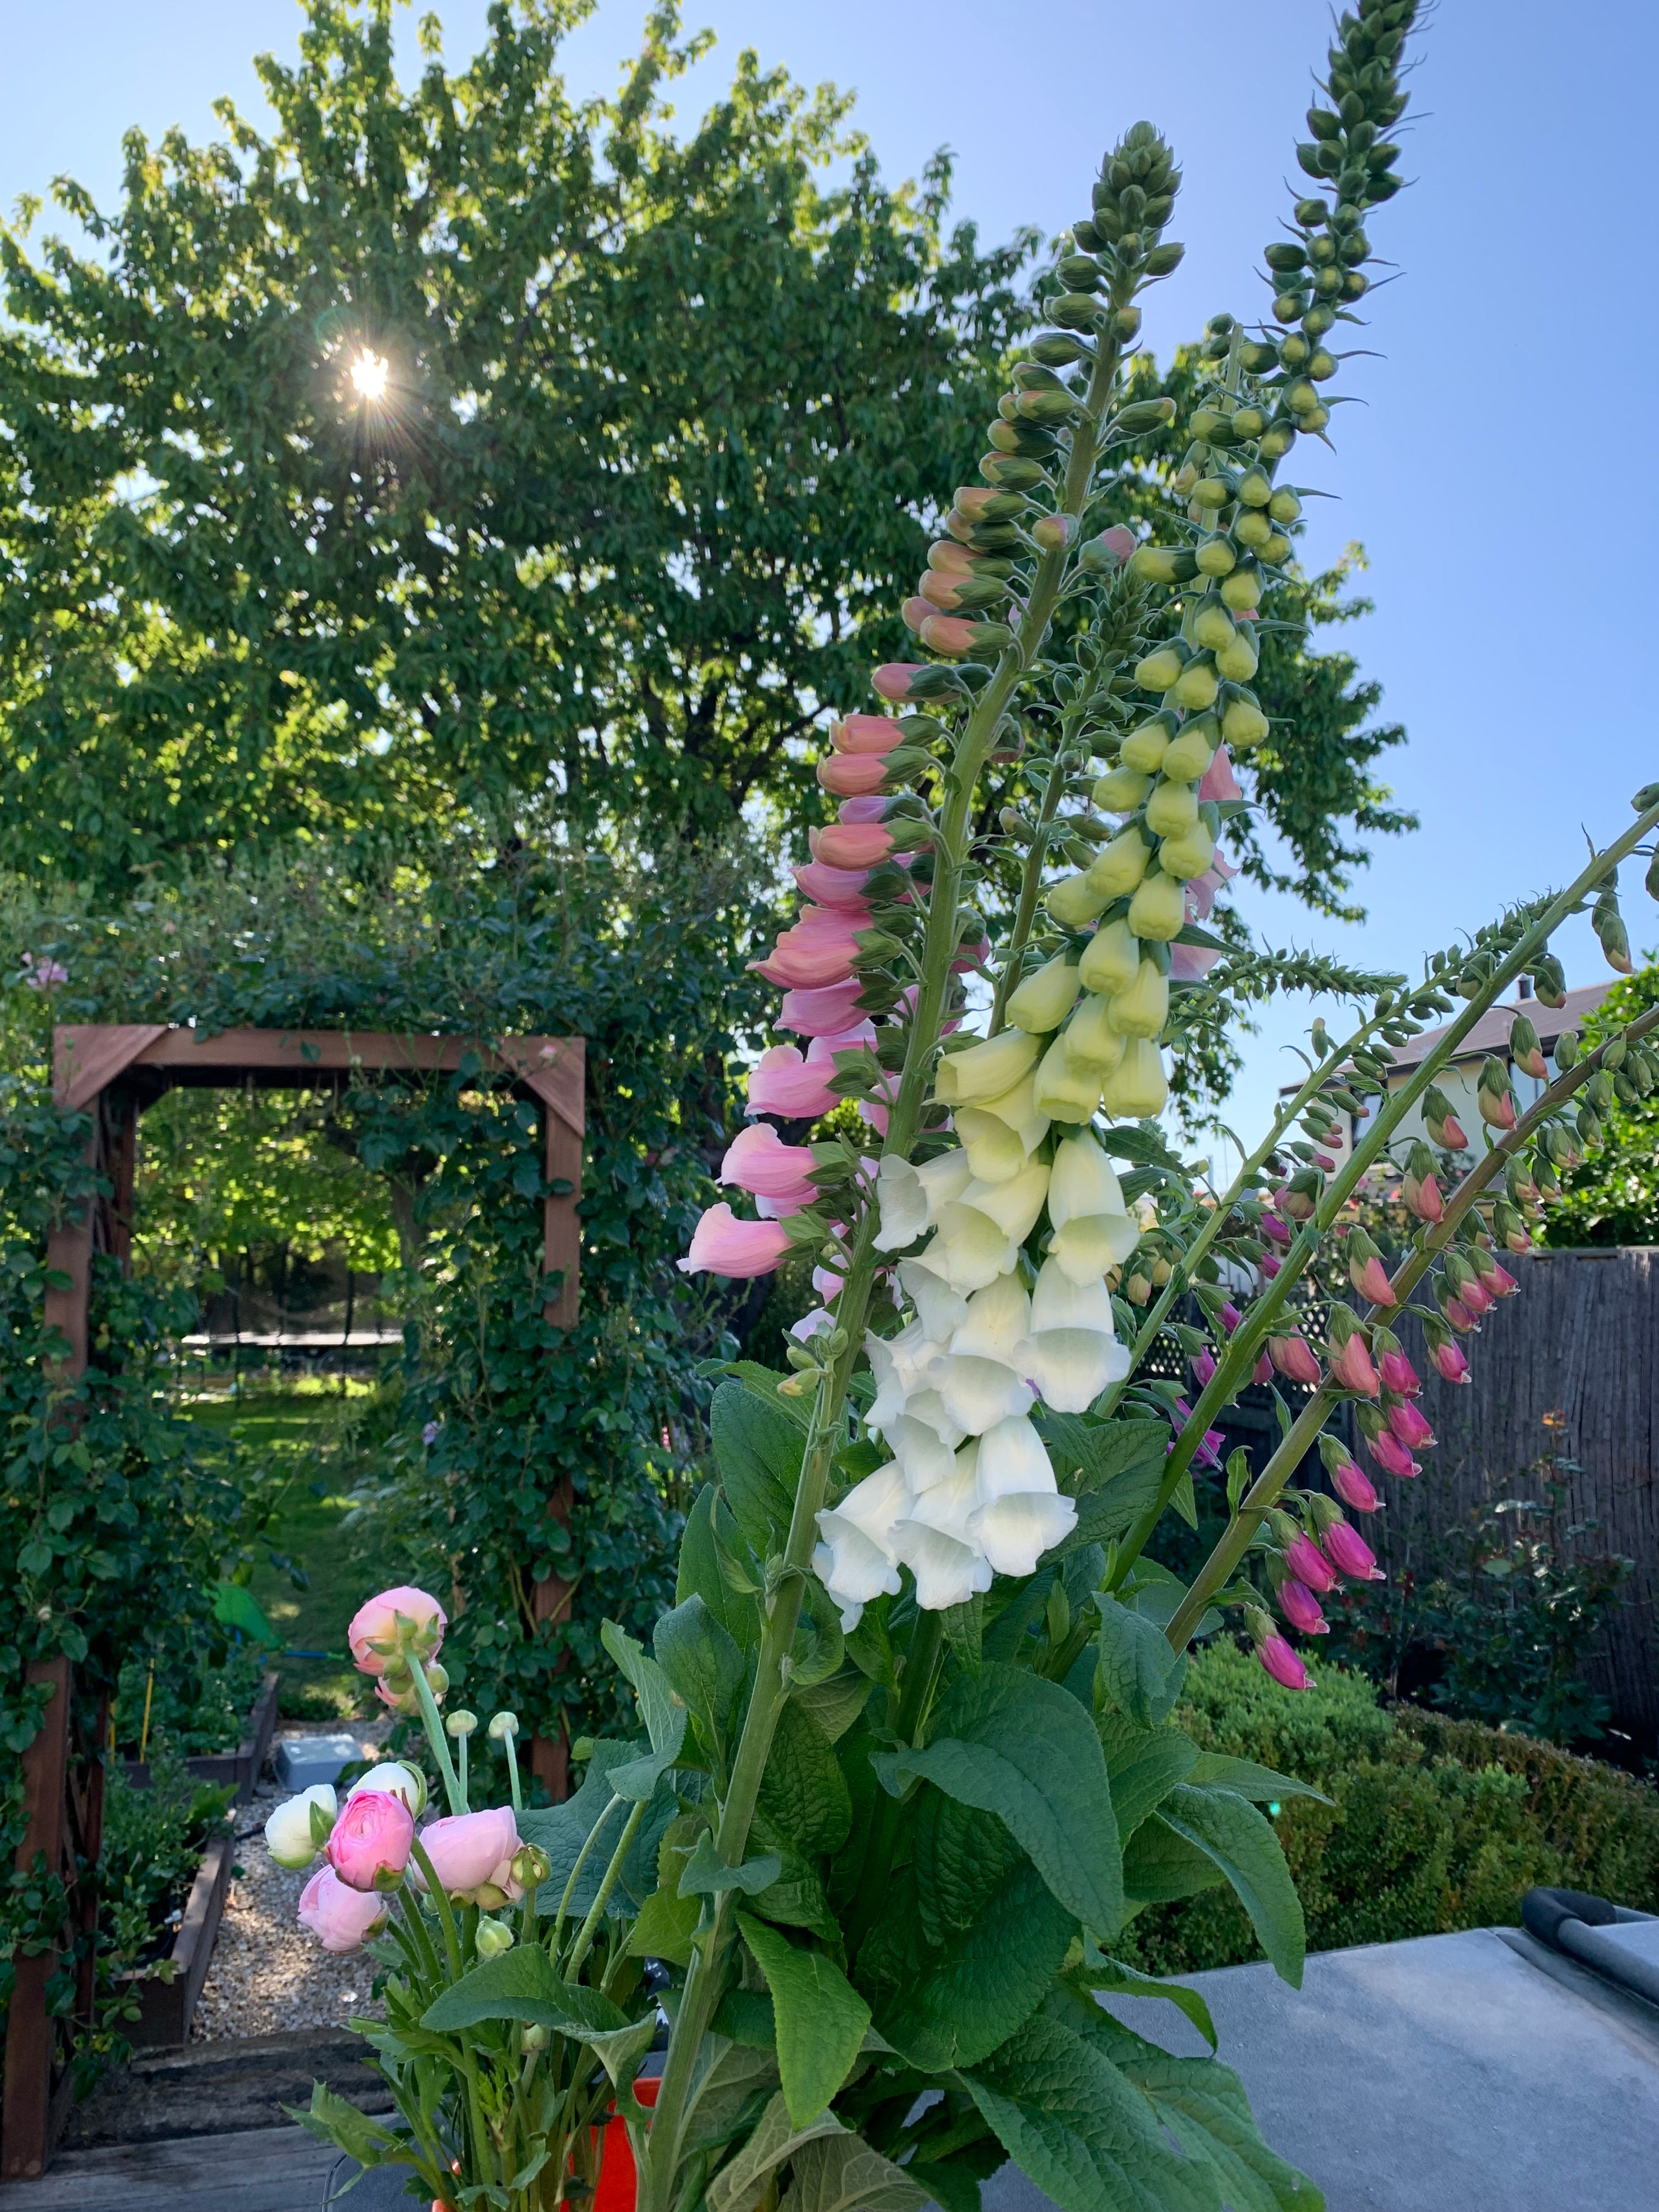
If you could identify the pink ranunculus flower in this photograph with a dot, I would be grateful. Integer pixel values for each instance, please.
(723, 1245)
(1307, 1563)
(368, 1848)
(341, 1917)
(1350, 1554)
(1281, 1662)
(472, 1851)
(829, 1011)
(758, 1161)
(376, 1624)
(1409, 1426)
(1301, 1607)
(1397, 1373)
(1354, 1488)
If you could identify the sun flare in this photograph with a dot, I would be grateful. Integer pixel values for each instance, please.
(369, 374)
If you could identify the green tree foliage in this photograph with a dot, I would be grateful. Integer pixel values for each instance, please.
(663, 422)
(1612, 1198)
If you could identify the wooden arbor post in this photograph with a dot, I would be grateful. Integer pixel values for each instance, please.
(113, 1071)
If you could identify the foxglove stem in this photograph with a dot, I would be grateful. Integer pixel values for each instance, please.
(703, 1976)
(1248, 1338)
(1264, 1493)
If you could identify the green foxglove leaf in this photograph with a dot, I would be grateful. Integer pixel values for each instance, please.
(707, 1872)
(1023, 1748)
(666, 1924)
(819, 1646)
(620, 2051)
(1160, 1866)
(776, 2137)
(836, 1703)
(820, 2017)
(730, 2084)
(796, 1896)
(665, 1720)
(1243, 1844)
(1110, 1978)
(704, 1666)
(1204, 2106)
(746, 2017)
(1215, 1770)
(757, 1449)
(986, 1980)
(1073, 2125)
(1144, 1765)
(1139, 1674)
(840, 2173)
(1087, 1453)
(338, 2121)
(700, 1575)
(802, 1792)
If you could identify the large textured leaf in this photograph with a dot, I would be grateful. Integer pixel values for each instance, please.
(706, 1873)
(1215, 1770)
(757, 1450)
(1160, 1866)
(521, 1985)
(1144, 1765)
(986, 1980)
(1073, 2125)
(840, 2173)
(1087, 1454)
(795, 1895)
(1106, 1514)
(665, 1720)
(1204, 2106)
(820, 2018)
(562, 1830)
(1110, 1978)
(700, 1574)
(836, 1703)
(802, 1792)
(1021, 1747)
(1244, 1845)
(730, 2085)
(704, 1666)
(666, 1920)
(776, 2137)
(1140, 1673)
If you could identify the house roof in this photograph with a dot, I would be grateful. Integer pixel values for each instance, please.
(1490, 1034)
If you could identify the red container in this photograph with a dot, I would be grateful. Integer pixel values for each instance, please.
(618, 2177)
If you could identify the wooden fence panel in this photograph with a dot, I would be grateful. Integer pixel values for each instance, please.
(1580, 1344)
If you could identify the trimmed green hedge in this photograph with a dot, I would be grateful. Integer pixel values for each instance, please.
(1435, 1825)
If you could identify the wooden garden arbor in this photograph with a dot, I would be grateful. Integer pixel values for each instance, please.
(113, 1071)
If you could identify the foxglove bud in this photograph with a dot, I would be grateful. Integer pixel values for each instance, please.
(1294, 1359)
(1347, 1550)
(1442, 1122)
(1511, 1227)
(1493, 1096)
(1301, 1607)
(1349, 1355)
(1445, 1354)
(1366, 1271)
(1407, 1423)
(1525, 1050)
(1279, 1659)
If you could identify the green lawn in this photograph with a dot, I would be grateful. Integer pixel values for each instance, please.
(295, 1433)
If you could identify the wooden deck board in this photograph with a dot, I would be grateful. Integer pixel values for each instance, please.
(260, 2170)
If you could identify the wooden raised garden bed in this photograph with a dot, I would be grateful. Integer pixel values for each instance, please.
(167, 2008)
(243, 1766)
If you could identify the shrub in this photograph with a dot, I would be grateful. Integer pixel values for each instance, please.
(1435, 1825)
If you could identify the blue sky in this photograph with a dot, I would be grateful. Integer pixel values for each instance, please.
(1495, 469)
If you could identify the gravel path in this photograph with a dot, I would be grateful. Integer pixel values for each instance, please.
(267, 1975)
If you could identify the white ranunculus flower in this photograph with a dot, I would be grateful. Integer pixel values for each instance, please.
(289, 1832)
(397, 1779)
(856, 1559)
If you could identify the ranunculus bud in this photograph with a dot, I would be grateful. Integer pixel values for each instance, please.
(397, 1778)
(472, 1855)
(399, 1620)
(292, 1834)
(503, 1725)
(492, 1938)
(369, 1846)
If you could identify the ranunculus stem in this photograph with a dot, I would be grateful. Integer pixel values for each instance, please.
(584, 1943)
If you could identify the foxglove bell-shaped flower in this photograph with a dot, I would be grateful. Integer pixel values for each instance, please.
(1301, 1607)
(723, 1245)
(1448, 1361)
(1020, 1514)
(980, 1233)
(1409, 1426)
(1349, 1355)
(783, 1082)
(758, 1161)
(830, 1012)
(1391, 1455)
(1393, 1370)
(981, 1072)
(902, 1365)
(1296, 1359)
(1353, 1486)
(910, 1198)
(856, 1560)
(1366, 1271)
(1000, 1135)
(1072, 1352)
(940, 1310)
(833, 886)
(980, 1382)
(926, 1453)
(1309, 1564)
(1094, 1231)
(935, 1541)
(1350, 1554)
(1279, 1660)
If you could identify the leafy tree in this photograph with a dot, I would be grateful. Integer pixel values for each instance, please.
(662, 424)
(1612, 1198)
